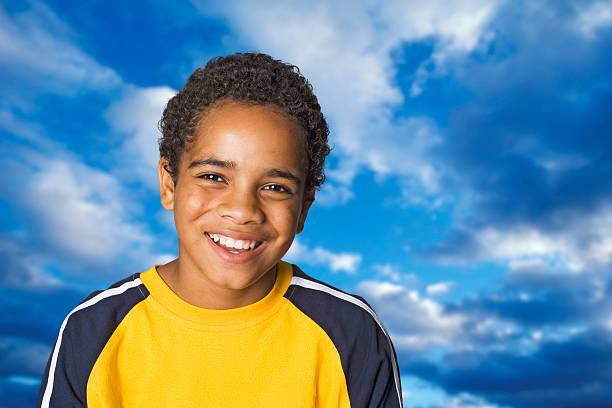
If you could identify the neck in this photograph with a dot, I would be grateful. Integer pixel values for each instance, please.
(193, 287)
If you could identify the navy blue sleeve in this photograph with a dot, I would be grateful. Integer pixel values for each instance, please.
(67, 387)
(366, 352)
(83, 335)
(376, 385)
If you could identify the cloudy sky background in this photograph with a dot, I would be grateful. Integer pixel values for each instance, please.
(468, 196)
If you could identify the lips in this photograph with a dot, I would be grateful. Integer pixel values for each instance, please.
(232, 243)
(237, 248)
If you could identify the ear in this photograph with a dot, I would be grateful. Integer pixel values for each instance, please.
(166, 184)
(308, 200)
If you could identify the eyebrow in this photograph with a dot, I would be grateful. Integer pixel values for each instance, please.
(228, 164)
(284, 174)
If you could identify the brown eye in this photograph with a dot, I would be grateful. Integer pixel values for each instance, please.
(212, 177)
(277, 188)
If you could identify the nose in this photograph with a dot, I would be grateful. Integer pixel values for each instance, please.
(241, 206)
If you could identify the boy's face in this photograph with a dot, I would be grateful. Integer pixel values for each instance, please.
(239, 197)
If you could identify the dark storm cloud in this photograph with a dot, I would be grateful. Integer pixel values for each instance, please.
(17, 395)
(29, 324)
(35, 314)
(514, 370)
(33, 303)
(550, 308)
(530, 300)
(19, 357)
(574, 373)
(32, 312)
(530, 141)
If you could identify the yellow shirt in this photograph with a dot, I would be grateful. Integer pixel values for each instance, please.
(305, 344)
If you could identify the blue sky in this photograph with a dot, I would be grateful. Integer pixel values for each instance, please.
(468, 196)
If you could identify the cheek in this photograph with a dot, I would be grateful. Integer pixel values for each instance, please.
(193, 204)
(285, 218)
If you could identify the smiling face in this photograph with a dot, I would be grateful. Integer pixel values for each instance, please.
(239, 196)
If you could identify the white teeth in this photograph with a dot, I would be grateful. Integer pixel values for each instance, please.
(232, 243)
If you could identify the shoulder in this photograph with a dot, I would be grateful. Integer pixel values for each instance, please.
(82, 336)
(365, 348)
(347, 319)
(330, 306)
(109, 306)
(89, 325)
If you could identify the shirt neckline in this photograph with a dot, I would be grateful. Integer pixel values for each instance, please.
(245, 315)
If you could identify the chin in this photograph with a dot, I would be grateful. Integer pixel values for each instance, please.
(238, 283)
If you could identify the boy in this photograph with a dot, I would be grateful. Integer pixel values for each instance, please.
(227, 323)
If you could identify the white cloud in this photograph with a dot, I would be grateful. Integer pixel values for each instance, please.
(162, 259)
(593, 17)
(81, 209)
(78, 212)
(457, 28)
(24, 268)
(136, 115)
(388, 271)
(345, 49)
(558, 164)
(465, 400)
(584, 241)
(421, 324)
(337, 262)
(82, 212)
(528, 263)
(426, 394)
(416, 323)
(36, 46)
(77, 216)
(26, 356)
(378, 289)
(519, 241)
(27, 132)
(457, 25)
(394, 274)
(23, 380)
(333, 194)
(440, 288)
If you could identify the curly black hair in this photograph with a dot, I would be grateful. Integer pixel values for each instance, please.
(252, 78)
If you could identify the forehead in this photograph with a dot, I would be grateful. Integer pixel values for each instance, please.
(249, 134)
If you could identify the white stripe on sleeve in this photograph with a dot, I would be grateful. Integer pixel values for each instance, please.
(296, 280)
(103, 295)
